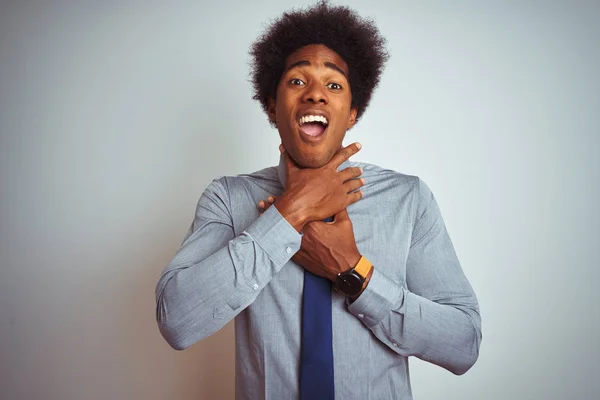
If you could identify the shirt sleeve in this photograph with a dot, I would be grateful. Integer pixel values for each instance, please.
(435, 316)
(215, 275)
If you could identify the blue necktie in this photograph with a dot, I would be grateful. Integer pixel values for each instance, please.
(316, 352)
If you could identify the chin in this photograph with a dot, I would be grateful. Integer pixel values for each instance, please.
(311, 160)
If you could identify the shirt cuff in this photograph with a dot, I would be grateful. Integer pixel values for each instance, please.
(275, 236)
(379, 298)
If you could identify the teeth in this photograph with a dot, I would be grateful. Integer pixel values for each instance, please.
(313, 118)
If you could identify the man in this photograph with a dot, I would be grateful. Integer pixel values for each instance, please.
(399, 288)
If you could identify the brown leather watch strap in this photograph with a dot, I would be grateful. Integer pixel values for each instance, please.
(363, 267)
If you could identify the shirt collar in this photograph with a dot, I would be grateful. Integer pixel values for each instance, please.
(281, 169)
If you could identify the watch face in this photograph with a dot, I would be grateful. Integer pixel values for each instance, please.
(349, 283)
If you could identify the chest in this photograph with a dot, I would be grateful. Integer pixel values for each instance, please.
(382, 226)
(382, 230)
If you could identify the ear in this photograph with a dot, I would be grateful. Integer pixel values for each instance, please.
(352, 119)
(271, 110)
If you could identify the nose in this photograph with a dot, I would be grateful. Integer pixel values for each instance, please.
(315, 93)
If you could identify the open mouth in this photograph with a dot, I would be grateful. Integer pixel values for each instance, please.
(313, 125)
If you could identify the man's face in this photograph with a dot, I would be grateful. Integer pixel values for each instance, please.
(312, 109)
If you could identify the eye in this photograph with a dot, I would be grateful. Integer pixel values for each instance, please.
(297, 82)
(334, 86)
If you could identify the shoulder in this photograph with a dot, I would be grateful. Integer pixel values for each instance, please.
(265, 177)
(393, 179)
(226, 190)
(398, 184)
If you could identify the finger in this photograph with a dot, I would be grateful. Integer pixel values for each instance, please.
(350, 173)
(311, 227)
(353, 184)
(354, 197)
(301, 257)
(261, 204)
(341, 216)
(345, 154)
(271, 199)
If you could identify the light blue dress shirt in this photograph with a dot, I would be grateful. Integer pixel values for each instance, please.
(235, 263)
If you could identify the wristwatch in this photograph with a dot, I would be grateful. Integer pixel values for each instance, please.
(350, 282)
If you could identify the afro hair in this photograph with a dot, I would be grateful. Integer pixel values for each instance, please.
(341, 29)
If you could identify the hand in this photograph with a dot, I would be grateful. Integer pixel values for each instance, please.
(313, 194)
(263, 205)
(310, 254)
(319, 236)
(328, 248)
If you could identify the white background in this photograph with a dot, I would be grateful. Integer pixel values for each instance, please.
(114, 116)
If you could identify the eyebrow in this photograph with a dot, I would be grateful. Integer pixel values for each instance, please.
(328, 64)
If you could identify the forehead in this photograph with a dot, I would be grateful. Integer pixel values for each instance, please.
(317, 55)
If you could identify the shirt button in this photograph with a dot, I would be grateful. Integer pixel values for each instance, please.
(361, 316)
(288, 250)
(395, 344)
(255, 286)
